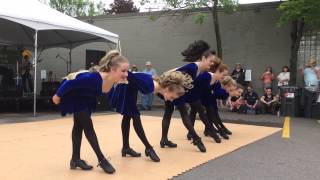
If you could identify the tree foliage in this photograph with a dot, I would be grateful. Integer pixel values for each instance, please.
(298, 13)
(78, 7)
(228, 6)
(307, 11)
(122, 6)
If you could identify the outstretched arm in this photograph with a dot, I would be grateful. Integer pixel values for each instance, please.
(141, 81)
(90, 81)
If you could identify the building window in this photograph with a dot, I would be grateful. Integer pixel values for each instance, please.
(309, 48)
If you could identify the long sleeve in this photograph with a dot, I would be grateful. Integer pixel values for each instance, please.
(141, 81)
(279, 76)
(219, 92)
(191, 69)
(80, 94)
(123, 97)
(90, 81)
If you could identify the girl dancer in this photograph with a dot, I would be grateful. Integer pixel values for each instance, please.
(210, 91)
(220, 91)
(77, 94)
(209, 88)
(228, 86)
(201, 58)
(170, 85)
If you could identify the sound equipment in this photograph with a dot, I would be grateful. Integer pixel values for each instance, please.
(49, 88)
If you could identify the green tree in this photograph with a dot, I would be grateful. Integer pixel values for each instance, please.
(122, 6)
(78, 7)
(228, 6)
(298, 13)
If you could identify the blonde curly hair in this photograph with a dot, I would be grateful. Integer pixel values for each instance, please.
(175, 80)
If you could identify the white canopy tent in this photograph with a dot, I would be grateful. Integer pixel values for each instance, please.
(33, 24)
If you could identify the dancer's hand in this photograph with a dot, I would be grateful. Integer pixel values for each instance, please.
(56, 99)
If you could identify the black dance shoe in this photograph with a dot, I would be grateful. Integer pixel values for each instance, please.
(227, 131)
(199, 144)
(131, 152)
(170, 144)
(215, 136)
(79, 163)
(189, 136)
(106, 166)
(152, 154)
(223, 134)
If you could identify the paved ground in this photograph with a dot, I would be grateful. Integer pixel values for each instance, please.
(270, 158)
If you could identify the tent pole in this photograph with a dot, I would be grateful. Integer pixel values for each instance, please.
(35, 73)
(70, 60)
(119, 46)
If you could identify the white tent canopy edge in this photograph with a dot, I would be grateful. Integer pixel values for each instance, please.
(46, 18)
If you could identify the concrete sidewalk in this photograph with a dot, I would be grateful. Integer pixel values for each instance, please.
(272, 158)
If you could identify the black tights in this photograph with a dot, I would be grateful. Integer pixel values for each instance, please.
(169, 108)
(125, 127)
(196, 106)
(210, 114)
(213, 115)
(82, 122)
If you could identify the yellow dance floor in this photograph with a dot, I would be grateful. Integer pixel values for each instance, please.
(42, 150)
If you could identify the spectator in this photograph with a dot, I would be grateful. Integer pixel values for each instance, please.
(310, 73)
(251, 100)
(146, 99)
(269, 102)
(134, 68)
(26, 68)
(284, 77)
(317, 68)
(277, 104)
(238, 74)
(267, 78)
